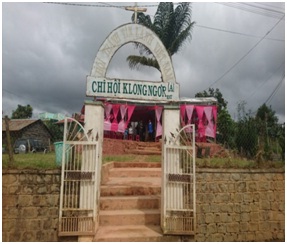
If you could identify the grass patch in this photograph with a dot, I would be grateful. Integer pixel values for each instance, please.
(47, 161)
(118, 158)
(154, 158)
(30, 161)
(131, 158)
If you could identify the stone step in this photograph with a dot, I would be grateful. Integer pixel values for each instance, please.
(129, 202)
(148, 144)
(149, 148)
(135, 172)
(132, 233)
(130, 217)
(133, 181)
(107, 190)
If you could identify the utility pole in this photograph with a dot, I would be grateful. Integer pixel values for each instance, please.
(10, 152)
(136, 9)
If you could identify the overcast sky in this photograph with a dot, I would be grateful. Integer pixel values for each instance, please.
(49, 49)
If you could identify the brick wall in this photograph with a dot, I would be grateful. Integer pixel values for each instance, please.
(240, 205)
(232, 205)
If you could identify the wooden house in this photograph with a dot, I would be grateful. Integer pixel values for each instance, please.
(26, 128)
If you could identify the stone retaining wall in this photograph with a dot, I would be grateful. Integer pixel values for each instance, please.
(240, 205)
(30, 205)
(232, 205)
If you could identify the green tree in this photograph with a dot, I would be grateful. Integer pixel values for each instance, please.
(172, 26)
(268, 129)
(247, 137)
(226, 129)
(55, 130)
(22, 112)
(221, 102)
(281, 139)
(267, 121)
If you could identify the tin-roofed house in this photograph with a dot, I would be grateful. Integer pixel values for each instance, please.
(27, 128)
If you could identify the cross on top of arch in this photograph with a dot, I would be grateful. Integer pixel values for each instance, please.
(137, 10)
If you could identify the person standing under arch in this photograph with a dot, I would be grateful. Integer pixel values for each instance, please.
(150, 131)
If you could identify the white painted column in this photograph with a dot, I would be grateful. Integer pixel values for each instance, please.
(94, 119)
(170, 121)
(170, 193)
(94, 122)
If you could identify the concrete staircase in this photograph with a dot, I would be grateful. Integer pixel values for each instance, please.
(130, 204)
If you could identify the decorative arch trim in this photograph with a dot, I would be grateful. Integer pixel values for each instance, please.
(133, 33)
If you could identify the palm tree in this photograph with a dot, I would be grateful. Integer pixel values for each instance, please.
(172, 26)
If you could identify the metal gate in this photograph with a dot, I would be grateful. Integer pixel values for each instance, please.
(178, 186)
(80, 180)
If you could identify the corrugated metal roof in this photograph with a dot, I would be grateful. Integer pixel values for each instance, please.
(183, 100)
(18, 124)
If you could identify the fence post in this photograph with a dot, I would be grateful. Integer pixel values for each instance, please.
(10, 151)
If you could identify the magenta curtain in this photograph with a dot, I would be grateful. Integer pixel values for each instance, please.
(158, 113)
(201, 129)
(107, 122)
(130, 109)
(214, 111)
(189, 111)
(209, 128)
(115, 123)
(123, 110)
(111, 122)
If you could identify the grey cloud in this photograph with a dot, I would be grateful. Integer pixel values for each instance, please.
(49, 49)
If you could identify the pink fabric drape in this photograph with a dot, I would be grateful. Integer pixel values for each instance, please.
(111, 122)
(107, 122)
(214, 110)
(115, 114)
(189, 111)
(123, 110)
(201, 130)
(209, 129)
(158, 112)
(130, 109)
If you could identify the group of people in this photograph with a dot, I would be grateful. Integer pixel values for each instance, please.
(140, 130)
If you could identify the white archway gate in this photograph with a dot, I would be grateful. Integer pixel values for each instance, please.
(167, 91)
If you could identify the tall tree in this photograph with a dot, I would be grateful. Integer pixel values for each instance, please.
(172, 26)
(22, 112)
(226, 129)
(267, 124)
(221, 102)
(55, 130)
(246, 138)
(266, 116)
